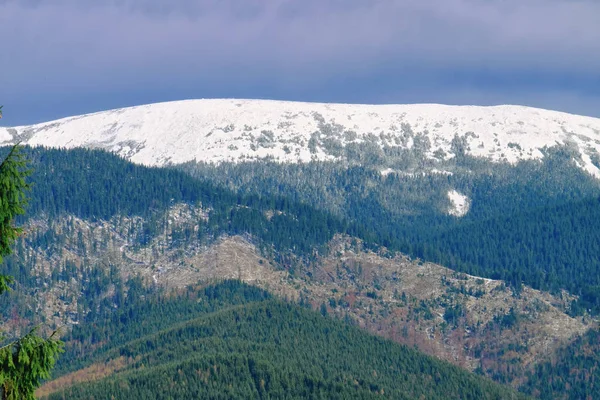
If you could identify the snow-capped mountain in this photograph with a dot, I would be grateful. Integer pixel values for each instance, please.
(236, 130)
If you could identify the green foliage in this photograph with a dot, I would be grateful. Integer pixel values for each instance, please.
(5, 282)
(13, 172)
(549, 248)
(235, 342)
(93, 184)
(509, 320)
(146, 311)
(453, 313)
(531, 223)
(23, 362)
(572, 374)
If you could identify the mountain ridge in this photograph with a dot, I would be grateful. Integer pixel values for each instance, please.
(233, 130)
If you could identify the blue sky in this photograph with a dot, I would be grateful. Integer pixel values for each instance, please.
(67, 57)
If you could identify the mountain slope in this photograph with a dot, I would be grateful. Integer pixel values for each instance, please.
(571, 373)
(532, 222)
(87, 243)
(235, 130)
(264, 349)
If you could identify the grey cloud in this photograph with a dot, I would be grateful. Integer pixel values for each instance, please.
(87, 45)
(453, 32)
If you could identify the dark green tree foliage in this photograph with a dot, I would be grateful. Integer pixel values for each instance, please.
(531, 223)
(93, 184)
(146, 311)
(12, 202)
(27, 360)
(548, 248)
(573, 374)
(232, 341)
(24, 363)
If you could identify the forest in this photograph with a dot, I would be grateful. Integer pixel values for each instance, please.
(530, 223)
(233, 341)
(571, 374)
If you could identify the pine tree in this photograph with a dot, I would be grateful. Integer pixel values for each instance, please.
(25, 361)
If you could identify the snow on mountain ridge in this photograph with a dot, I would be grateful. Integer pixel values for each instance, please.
(236, 130)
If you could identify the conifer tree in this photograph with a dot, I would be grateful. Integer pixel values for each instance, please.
(27, 360)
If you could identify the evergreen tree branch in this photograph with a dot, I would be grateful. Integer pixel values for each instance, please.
(26, 361)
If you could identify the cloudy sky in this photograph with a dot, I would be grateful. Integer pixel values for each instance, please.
(66, 57)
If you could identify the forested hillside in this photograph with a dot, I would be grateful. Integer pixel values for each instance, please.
(549, 248)
(231, 341)
(546, 208)
(100, 231)
(99, 186)
(529, 223)
(571, 374)
(94, 184)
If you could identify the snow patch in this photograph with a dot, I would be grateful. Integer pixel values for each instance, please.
(459, 204)
(589, 166)
(441, 172)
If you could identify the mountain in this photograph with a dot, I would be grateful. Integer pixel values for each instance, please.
(101, 231)
(237, 130)
(232, 341)
(419, 234)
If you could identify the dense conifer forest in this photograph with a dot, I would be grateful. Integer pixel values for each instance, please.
(93, 184)
(531, 223)
(232, 341)
(572, 374)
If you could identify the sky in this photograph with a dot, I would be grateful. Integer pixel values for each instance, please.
(67, 57)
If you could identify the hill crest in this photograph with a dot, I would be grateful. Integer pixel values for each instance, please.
(233, 130)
